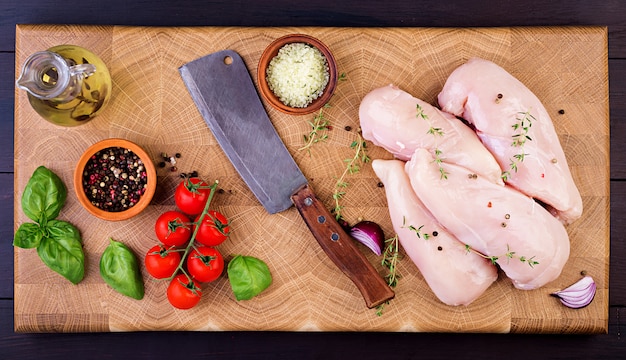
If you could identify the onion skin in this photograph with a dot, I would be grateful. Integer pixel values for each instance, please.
(369, 234)
(579, 294)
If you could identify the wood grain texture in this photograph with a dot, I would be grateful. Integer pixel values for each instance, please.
(565, 67)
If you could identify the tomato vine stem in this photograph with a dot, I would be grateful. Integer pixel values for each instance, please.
(192, 243)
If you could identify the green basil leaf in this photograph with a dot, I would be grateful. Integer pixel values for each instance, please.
(248, 276)
(120, 269)
(61, 249)
(28, 236)
(43, 196)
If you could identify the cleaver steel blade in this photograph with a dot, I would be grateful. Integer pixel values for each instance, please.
(226, 97)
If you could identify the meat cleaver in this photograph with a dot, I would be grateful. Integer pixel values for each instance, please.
(223, 91)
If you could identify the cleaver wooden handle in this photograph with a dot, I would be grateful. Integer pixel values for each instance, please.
(341, 249)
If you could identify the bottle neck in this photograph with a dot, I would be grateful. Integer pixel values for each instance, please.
(47, 75)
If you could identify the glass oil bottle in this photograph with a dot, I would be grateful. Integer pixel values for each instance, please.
(67, 85)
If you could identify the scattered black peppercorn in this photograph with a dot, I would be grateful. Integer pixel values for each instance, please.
(177, 155)
(348, 128)
(193, 174)
(380, 184)
(561, 111)
(220, 191)
(439, 248)
(435, 233)
(162, 164)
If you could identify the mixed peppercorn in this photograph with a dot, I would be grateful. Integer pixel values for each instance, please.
(114, 179)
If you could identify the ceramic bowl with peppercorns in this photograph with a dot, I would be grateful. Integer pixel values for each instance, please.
(115, 179)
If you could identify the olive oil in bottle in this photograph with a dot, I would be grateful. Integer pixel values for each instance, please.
(66, 84)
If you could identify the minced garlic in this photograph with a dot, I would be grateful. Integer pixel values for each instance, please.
(298, 74)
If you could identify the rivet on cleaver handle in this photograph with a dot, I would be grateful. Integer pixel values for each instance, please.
(224, 93)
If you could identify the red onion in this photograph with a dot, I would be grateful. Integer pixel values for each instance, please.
(578, 295)
(369, 234)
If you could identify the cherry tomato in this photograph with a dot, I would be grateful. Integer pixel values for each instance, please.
(161, 262)
(183, 293)
(173, 228)
(213, 230)
(191, 196)
(205, 264)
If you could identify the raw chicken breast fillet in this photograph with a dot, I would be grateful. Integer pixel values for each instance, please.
(455, 276)
(499, 107)
(388, 117)
(493, 220)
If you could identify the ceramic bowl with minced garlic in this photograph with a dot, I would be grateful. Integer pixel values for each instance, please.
(297, 74)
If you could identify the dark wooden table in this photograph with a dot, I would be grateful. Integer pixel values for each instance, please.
(457, 13)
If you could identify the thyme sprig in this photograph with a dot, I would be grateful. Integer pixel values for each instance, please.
(390, 262)
(416, 230)
(508, 255)
(435, 132)
(319, 127)
(353, 166)
(524, 120)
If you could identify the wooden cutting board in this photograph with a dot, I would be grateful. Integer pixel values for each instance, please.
(566, 67)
